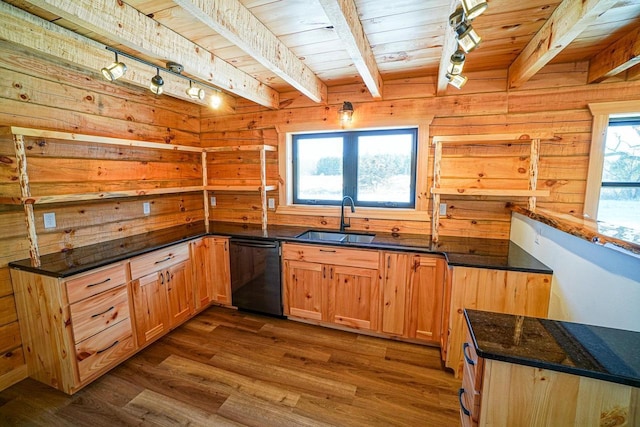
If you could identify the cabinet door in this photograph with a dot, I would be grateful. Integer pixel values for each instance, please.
(353, 296)
(426, 292)
(395, 277)
(201, 282)
(150, 307)
(220, 272)
(304, 293)
(179, 295)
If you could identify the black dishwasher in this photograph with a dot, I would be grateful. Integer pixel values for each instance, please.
(255, 275)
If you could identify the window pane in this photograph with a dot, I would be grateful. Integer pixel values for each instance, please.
(620, 206)
(384, 168)
(319, 168)
(622, 154)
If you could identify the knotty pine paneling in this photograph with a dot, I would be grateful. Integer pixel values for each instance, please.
(41, 93)
(555, 100)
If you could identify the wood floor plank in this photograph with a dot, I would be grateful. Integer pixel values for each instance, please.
(226, 367)
(168, 412)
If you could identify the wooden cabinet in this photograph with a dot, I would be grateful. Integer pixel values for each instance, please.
(219, 269)
(501, 291)
(496, 393)
(200, 269)
(332, 284)
(85, 316)
(413, 290)
(161, 291)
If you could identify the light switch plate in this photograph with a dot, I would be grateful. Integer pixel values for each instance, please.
(146, 208)
(213, 200)
(49, 220)
(443, 208)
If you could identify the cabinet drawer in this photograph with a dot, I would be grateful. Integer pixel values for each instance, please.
(89, 284)
(331, 255)
(95, 314)
(157, 260)
(104, 350)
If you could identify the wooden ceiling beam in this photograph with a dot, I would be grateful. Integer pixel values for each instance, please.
(343, 15)
(22, 28)
(566, 22)
(237, 24)
(449, 46)
(616, 58)
(117, 21)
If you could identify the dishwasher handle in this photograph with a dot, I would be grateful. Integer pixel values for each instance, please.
(255, 244)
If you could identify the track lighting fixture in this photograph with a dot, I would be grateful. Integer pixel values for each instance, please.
(115, 70)
(474, 8)
(216, 99)
(346, 112)
(195, 92)
(468, 39)
(157, 83)
(457, 81)
(457, 63)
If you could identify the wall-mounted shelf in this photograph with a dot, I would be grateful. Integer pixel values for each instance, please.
(507, 184)
(233, 186)
(80, 197)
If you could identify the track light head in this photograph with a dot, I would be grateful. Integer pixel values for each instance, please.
(195, 92)
(468, 39)
(115, 70)
(457, 81)
(457, 63)
(474, 8)
(156, 83)
(216, 100)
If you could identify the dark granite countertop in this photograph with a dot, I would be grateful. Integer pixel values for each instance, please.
(469, 252)
(574, 348)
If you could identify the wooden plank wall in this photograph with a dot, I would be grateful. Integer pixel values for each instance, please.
(41, 93)
(554, 100)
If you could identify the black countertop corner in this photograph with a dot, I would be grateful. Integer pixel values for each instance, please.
(591, 351)
(497, 254)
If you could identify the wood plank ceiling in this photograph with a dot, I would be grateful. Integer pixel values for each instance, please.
(257, 49)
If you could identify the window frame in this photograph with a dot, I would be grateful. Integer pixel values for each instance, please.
(350, 159)
(602, 114)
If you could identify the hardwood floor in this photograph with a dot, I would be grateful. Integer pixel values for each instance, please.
(231, 368)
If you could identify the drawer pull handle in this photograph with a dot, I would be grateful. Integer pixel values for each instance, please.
(164, 260)
(469, 360)
(464, 410)
(99, 283)
(100, 314)
(328, 250)
(105, 349)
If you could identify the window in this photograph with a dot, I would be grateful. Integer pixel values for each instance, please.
(376, 168)
(619, 202)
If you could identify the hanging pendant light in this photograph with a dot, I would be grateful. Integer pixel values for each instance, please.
(157, 83)
(115, 70)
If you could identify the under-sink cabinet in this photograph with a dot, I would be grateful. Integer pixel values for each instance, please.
(211, 278)
(332, 284)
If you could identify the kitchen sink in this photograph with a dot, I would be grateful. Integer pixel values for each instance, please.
(336, 236)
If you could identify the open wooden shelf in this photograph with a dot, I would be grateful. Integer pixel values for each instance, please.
(256, 147)
(65, 198)
(240, 188)
(490, 192)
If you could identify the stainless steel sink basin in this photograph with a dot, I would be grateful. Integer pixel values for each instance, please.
(336, 236)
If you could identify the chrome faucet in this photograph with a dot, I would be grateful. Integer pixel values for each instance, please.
(344, 225)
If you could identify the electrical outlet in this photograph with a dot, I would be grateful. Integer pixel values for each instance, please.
(213, 200)
(49, 220)
(443, 208)
(146, 208)
(271, 202)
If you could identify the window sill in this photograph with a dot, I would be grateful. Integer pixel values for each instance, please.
(371, 213)
(621, 238)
